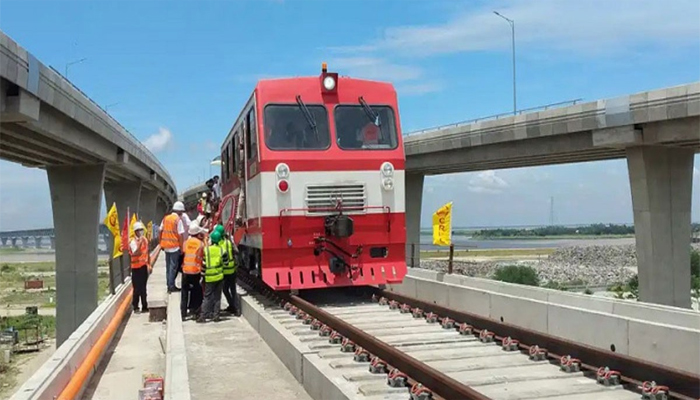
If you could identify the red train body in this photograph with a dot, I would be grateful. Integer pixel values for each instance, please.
(320, 163)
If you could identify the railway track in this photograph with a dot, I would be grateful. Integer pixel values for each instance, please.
(393, 347)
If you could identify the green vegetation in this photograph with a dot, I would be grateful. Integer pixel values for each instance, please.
(596, 230)
(588, 291)
(11, 250)
(521, 274)
(22, 323)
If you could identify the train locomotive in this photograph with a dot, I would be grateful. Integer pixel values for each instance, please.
(313, 183)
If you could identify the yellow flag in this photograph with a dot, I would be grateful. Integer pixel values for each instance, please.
(149, 230)
(112, 223)
(442, 225)
(134, 218)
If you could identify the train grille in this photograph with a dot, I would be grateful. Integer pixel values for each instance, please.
(320, 197)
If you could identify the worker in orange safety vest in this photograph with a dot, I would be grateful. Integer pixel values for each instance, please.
(140, 267)
(191, 295)
(172, 232)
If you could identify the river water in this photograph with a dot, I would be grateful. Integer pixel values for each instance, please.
(467, 242)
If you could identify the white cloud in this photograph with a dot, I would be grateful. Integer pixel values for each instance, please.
(411, 80)
(159, 141)
(584, 28)
(487, 182)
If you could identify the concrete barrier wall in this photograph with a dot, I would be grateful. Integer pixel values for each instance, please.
(54, 375)
(624, 308)
(672, 345)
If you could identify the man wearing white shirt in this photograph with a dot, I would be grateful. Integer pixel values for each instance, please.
(172, 233)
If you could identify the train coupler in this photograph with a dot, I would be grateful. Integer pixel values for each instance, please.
(325, 331)
(431, 318)
(537, 354)
(383, 301)
(509, 344)
(420, 392)
(393, 305)
(652, 391)
(417, 313)
(377, 366)
(347, 346)
(316, 325)
(361, 355)
(335, 338)
(485, 336)
(405, 309)
(447, 323)
(607, 377)
(465, 329)
(397, 378)
(569, 364)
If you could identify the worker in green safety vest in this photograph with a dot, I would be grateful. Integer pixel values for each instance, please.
(213, 272)
(229, 272)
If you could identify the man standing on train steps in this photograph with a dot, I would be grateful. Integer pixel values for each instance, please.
(172, 231)
(212, 270)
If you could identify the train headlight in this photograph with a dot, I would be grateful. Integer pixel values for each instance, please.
(282, 171)
(388, 184)
(329, 83)
(387, 169)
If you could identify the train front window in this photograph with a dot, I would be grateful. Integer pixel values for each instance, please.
(356, 130)
(288, 127)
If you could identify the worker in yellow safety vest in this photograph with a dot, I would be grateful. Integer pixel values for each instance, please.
(172, 231)
(213, 272)
(229, 272)
(140, 267)
(191, 294)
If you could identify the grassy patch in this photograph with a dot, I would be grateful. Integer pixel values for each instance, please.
(11, 250)
(488, 253)
(521, 274)
(8, 379)
(46, 324)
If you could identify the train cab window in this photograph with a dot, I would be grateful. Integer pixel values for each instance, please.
(356, 128)
(236, 152)
(289, 127)
(224, 164)
(251, 135)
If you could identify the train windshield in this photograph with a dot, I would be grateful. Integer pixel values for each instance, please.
(365, 127)
(289, 127)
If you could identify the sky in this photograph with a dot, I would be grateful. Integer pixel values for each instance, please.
(176, 74)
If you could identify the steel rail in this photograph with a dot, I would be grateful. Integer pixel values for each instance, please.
(681, 384)
(437, 382)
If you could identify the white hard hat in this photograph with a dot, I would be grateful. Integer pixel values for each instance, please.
(178, 206)
(195, 229)
(204, 195)
(138, 225)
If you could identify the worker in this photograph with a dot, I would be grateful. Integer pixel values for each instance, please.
(229, 272)
(191, 295)
(201, 205)
(140, 267)
(212, 270)
(172, 233)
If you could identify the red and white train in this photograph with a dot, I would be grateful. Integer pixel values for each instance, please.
(317, 164)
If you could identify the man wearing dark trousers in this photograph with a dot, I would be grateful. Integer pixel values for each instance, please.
(213, 272)
(191, 294)
(229, 272)
(140, 267)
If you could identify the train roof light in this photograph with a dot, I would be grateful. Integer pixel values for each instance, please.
(329, 83)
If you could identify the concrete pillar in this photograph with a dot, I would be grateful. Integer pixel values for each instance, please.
(14, 241)
(76, 197)
(4, 241)
(25, 241)
(53, 242)
(147, 206)
(414, 200)
(661, 180)
(37, 242)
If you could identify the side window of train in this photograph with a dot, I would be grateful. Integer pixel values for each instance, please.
(236, 152)
(224, 166)
(252, 134)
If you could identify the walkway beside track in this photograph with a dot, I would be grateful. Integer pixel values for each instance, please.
(229, 360)
(136, 350)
